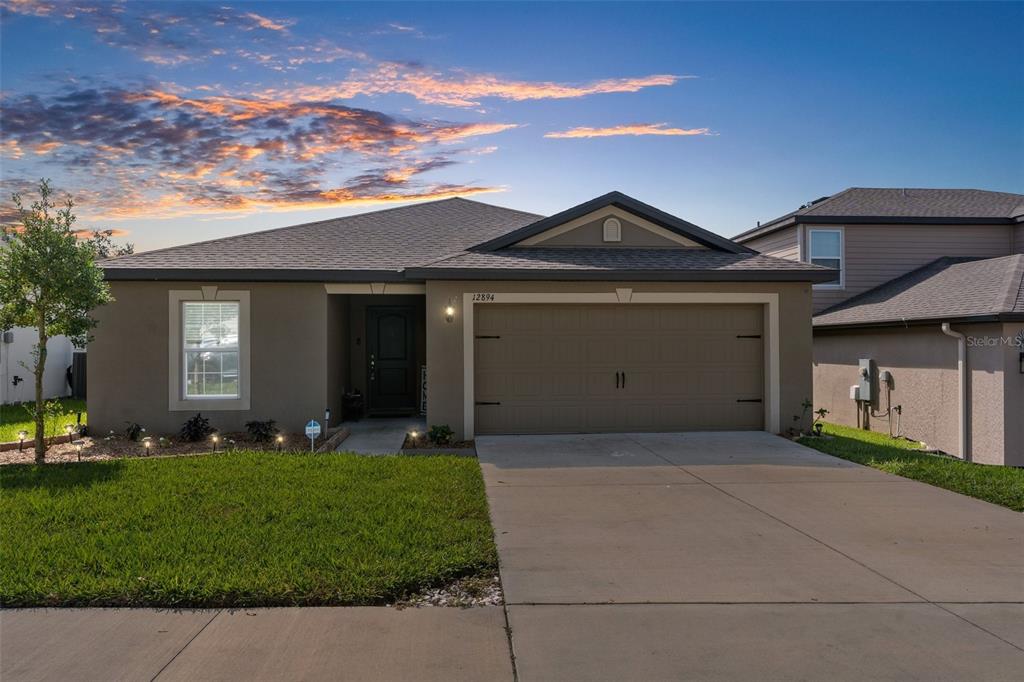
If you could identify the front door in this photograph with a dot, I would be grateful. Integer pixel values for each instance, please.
(391, 359)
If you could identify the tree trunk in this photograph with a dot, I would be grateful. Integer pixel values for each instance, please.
(40, 402)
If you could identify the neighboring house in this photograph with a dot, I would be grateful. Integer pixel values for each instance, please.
(17, 381)
(610, 316)
(909, 260)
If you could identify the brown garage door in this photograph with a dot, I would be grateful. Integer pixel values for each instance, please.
(636, 367)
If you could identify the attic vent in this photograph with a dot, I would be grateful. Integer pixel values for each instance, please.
(612, 230)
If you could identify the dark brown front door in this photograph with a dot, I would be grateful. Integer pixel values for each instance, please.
(391, 358)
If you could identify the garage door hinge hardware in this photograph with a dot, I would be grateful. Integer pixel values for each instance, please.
(749, 400)
(748, 336)
(481, 402)
(488, 337)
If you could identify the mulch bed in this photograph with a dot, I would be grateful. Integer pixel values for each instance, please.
(118, 447)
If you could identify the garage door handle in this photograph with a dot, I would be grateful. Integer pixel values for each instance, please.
(623, 379)
(749, 400)
(748, 336)
(482, 402)
(617, 380)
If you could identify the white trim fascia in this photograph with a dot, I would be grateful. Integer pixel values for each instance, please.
(376, 288)
(607, 212)
(176, 402)
(842, 255)
(772, 334)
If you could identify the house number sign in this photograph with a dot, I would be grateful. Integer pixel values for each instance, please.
(487, 298)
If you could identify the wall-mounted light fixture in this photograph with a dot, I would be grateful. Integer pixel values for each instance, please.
(449, 312)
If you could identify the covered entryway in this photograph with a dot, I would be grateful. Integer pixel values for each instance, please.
(578, 368)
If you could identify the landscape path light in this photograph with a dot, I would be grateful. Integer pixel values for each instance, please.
(78, 449)
(22, 435)
(280, 442)
(214, 438)
(68, 429)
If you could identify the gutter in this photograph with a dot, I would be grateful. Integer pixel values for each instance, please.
(961, 363)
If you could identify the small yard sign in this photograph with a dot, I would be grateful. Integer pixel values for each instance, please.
(312, 431)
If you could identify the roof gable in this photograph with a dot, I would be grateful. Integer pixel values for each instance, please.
(635, 211)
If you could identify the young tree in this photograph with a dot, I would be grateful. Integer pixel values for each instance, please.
(48, 280)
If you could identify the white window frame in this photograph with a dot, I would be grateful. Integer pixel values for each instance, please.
(185, 350)
(841, 284)
(177, 399)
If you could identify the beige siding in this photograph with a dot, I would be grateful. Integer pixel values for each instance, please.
(875, 254)
(923, 362)
(781, 244)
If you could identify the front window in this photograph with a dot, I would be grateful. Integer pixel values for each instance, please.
(826, 249)
(210, 340)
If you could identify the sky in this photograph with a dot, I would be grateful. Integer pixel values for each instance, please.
(176, 122)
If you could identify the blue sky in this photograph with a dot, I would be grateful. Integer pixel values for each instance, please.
(183, 121)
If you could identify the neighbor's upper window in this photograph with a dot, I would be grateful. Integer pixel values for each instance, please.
(826, 249)
(211, 349)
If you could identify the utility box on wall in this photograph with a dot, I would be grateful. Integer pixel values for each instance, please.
(866, 381)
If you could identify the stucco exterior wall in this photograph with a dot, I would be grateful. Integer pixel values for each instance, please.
(128, 358)
(445, 352)
(923, 362)
(1013, 405)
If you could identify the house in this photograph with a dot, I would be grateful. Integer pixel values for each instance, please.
(907, 262)
(17, 380)
(609, 316)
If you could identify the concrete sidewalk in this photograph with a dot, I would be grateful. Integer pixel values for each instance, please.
(372, 643)
(745, 556)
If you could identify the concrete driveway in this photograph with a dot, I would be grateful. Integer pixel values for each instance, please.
(744, 555)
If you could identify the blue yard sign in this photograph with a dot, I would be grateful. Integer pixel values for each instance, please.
(312, 431)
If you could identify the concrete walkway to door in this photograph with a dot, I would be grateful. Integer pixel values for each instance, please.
(745, 556)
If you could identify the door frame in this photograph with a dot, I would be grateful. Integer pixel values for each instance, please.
(411, 341)
(770, 301)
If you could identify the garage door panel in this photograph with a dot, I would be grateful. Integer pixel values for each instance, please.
(554, 367)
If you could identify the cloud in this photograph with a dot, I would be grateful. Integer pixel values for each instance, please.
(627, 129)
(163, 151)
(189, 33)
(460, 89)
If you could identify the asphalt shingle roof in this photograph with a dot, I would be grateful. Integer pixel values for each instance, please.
(902, 204)
(412, 241)
(387, 240)
(704, 263)
(947, 288)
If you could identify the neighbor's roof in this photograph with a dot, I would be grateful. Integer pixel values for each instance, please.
(898, 205)
(948, 289)
(372, 246)
(620, 263)
(452, 235)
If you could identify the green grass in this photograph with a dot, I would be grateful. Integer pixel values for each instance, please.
(14, 418)
(996, 484)
(240, 529)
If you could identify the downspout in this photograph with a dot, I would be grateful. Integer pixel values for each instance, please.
(961, 366)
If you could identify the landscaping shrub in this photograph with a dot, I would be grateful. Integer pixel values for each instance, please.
(262, 432)
(441, 434)
(196, 428)
(133, 431)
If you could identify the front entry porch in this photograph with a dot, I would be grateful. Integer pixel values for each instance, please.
(376, 356)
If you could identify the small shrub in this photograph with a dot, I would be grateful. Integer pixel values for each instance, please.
(133, 431)
(262, 432)
(197, 428)
(441, 434)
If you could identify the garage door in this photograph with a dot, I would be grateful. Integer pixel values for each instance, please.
(637, 367)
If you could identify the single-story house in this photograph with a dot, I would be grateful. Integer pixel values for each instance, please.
(927, 293)
(609, 316)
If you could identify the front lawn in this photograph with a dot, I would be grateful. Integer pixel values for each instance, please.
(999, 485)
(240, 529)
(16, 417)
